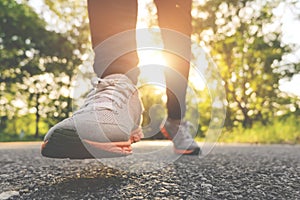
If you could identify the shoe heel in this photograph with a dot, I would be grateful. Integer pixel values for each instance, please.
(165, 133)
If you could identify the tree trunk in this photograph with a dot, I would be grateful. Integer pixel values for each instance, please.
(37, 116)
(247, 122)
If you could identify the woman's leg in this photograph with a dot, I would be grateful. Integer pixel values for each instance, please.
(176, 15)
(108, 18)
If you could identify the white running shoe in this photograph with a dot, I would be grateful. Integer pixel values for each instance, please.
(105, 126)
(180, 132)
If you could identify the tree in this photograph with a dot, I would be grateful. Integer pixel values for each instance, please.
(71, 19)
(244, 39)
(27, 50)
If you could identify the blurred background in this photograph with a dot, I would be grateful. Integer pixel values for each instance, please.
(46, 65)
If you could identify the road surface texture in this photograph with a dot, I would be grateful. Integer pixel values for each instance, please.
(228, 172)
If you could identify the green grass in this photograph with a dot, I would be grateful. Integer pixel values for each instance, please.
(14, 138)
(285, 131)
(281, 131)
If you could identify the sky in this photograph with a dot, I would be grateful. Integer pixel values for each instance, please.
(291, 30)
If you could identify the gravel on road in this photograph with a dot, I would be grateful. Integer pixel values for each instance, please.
(228, 172)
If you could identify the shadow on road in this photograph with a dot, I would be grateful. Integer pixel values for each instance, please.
(85, 184)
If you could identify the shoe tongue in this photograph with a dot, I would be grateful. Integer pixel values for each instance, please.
(118, 77)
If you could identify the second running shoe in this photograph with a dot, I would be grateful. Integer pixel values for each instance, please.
(179, 132)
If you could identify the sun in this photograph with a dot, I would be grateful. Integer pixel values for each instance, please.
(152, 65)
(151, 61)
(148, 57)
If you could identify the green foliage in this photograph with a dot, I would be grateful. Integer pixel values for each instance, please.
(154, 110)
(24, 40)
(32, 60)
(25, 124)
(248, 50)
(72, 21)
(284, 131)
(198, 112)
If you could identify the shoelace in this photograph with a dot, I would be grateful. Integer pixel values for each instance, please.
(117, 91)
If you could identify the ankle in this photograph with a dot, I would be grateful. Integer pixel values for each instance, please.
(174, 121)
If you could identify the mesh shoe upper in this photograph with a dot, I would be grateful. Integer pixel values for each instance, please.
(112, 110)
(181, 134)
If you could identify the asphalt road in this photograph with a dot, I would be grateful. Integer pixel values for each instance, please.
(228, 172)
